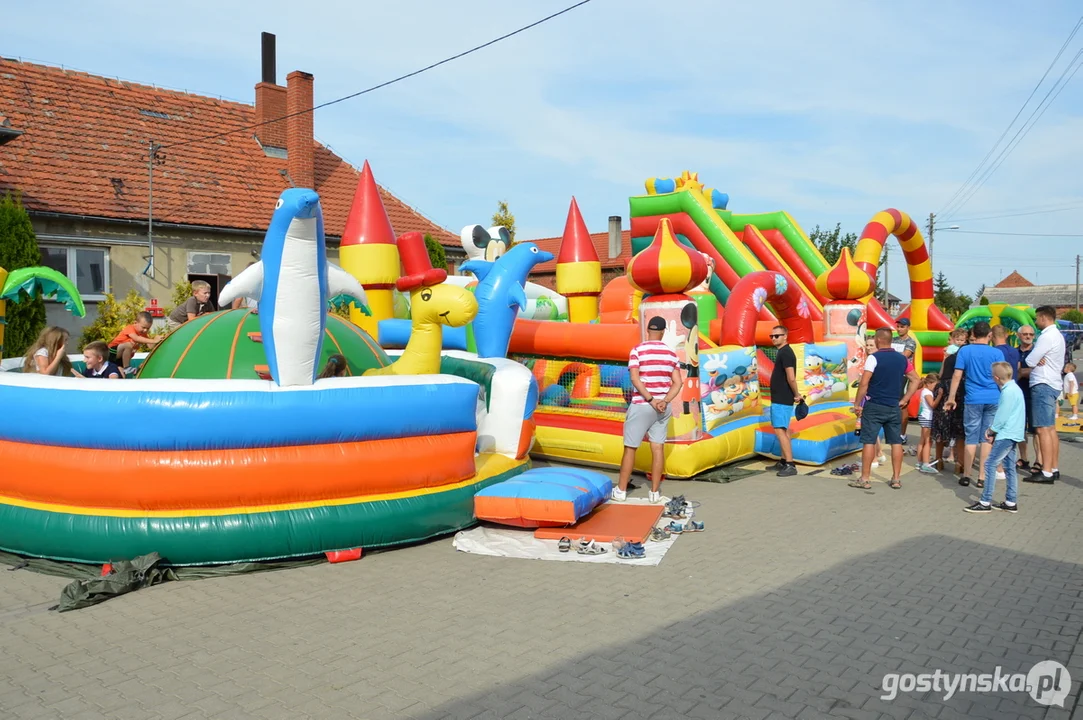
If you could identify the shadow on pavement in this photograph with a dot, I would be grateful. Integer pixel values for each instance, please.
(819, 647)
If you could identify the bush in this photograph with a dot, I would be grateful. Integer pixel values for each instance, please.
(112, 317)
(181, 292)
(19, 249)
(1072, 316)
(437, 256)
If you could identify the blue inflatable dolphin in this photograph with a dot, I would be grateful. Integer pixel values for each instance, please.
(292, 283)
(499, 293)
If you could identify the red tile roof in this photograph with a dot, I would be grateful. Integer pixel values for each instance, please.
(1014, 280)
(84, 152)
(601, 244)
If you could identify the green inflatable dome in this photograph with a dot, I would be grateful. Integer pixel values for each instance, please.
(226, 345)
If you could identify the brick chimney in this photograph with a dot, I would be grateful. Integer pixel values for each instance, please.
(270, 99)
(299, 137)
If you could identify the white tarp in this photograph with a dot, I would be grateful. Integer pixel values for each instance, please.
(521, 543)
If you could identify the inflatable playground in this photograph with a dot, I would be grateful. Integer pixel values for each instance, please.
(721, 280)
(228, 446)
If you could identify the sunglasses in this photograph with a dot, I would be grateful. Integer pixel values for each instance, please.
(776, 337)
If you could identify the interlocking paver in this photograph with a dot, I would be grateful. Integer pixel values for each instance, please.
(795, 602)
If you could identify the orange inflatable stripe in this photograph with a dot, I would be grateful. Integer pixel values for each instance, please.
(578, 422)
(524, 512)
(155, 480)
(578, 340)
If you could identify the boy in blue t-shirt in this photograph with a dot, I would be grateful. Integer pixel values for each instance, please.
(1008, 429)
(982, 395)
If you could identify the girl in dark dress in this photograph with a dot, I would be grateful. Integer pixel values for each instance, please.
(948, 426)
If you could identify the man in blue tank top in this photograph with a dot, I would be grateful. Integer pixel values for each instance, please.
(880, 389)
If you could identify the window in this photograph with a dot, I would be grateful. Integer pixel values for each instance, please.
(87, 267)
(201, 263)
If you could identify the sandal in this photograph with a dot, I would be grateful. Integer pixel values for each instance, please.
(860, 484)
(659, 534)
(590, 548)
(895, 484)
(693, 526)
(1022, 465)
(565, 544)
(627, 552)
(979, 483)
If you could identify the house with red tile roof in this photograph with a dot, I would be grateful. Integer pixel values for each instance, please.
(77, 148)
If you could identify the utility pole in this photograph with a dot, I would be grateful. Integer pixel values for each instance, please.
(887, 294)
(154, 157)
(929, 232)
(1077, 283)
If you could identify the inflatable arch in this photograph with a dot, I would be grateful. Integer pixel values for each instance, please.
(747, 301)
(923, 314)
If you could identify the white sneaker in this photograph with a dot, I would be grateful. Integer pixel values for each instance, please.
(618, 495)
(653, 497)
(1001, 475)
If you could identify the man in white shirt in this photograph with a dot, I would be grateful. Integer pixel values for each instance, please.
(1046, 363)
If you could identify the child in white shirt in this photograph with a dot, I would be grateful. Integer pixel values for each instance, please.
(929, 401)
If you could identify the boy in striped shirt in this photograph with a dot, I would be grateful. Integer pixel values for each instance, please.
(657, 382)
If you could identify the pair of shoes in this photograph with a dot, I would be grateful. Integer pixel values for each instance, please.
(690, 526)
(844, 470)
(589, 547)
(654, 496)
(677, 508)
(1039, 477)
(978, 508)
(659, 534)
(789, 470)
(618, 495)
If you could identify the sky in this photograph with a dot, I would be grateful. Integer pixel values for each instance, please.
(831, 111)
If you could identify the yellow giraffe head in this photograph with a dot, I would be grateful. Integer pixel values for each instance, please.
(442, 305)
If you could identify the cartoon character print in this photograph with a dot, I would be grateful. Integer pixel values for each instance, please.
(482, 244)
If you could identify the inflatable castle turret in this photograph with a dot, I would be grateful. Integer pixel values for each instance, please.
(369, 253)
(665, 271)
(848, 289)
(579, 272)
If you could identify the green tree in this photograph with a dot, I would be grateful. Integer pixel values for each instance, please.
(19, 249)
(503, 217)
(831, 242)
(1072, 316)
(437, 256)
(983, 300)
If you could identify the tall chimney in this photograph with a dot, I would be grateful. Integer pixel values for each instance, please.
(299, 137)
(270, 98)
(614, 236)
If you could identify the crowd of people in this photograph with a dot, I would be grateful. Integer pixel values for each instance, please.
(988, 401)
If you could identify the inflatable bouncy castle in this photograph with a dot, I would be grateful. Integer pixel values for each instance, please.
(228, 447)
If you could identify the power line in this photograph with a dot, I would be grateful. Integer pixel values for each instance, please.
(400, 78)
(1023, 131)
(991, 232)
(1077, 206)
(1022, 107)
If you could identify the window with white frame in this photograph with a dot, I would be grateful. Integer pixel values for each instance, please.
(208, 263)
(87, 267)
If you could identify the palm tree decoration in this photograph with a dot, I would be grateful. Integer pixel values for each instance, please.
(34, 280)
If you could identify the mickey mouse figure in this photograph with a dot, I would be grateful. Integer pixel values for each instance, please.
(690, 392)
(482, 244)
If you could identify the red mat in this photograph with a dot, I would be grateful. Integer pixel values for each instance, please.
(608, 522)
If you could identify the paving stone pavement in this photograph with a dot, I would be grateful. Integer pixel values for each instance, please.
(798, 599)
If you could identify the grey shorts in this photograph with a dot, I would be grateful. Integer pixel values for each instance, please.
(642, 419)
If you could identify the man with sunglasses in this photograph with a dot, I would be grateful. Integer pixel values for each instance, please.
(784, 395)
(1026, 344)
